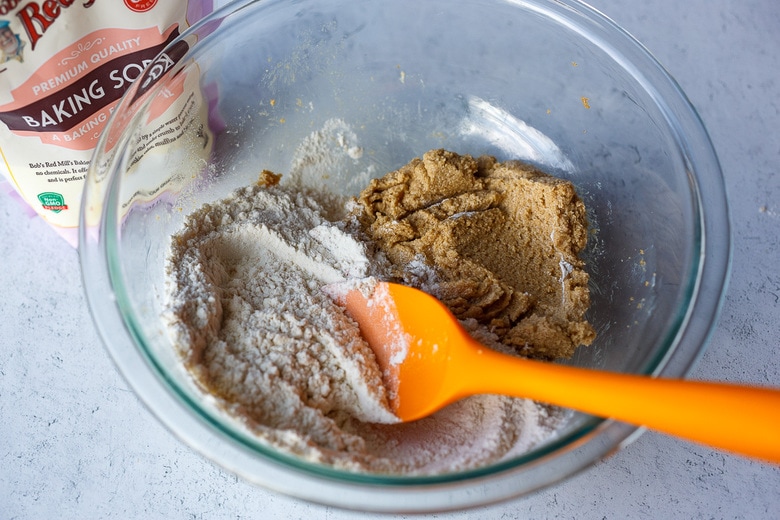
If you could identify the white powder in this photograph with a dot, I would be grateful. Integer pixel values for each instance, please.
(246, 308)
(331, 159)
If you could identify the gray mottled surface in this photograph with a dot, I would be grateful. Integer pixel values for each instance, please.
(76, 443)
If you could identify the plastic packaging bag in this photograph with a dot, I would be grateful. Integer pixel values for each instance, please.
(64, 65)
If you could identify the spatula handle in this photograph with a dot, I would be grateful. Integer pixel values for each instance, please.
(741, 419)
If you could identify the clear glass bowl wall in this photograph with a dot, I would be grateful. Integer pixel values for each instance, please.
(555, 84)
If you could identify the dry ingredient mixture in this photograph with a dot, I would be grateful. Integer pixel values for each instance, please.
(246, 307)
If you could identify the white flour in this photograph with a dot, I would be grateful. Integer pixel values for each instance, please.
(330, 159)
(246, 308)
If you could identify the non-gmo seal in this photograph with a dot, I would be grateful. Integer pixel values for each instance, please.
(52, 201)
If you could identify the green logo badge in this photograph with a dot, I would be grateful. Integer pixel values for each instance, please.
(52, 201)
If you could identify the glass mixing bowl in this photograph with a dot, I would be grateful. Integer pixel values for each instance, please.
(553, 83)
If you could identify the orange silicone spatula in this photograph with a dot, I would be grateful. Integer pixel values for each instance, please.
(429, 360)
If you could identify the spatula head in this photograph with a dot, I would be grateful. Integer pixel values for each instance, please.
(410, 332)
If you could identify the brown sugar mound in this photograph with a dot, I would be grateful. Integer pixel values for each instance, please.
(503, 240)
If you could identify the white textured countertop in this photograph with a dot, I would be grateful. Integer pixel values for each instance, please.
(76, 443)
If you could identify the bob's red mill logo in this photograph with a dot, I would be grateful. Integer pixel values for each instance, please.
(37, 17)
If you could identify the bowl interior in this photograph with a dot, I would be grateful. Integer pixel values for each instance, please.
(554, 85)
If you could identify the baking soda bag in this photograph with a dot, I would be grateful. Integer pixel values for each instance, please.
(64, 65)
